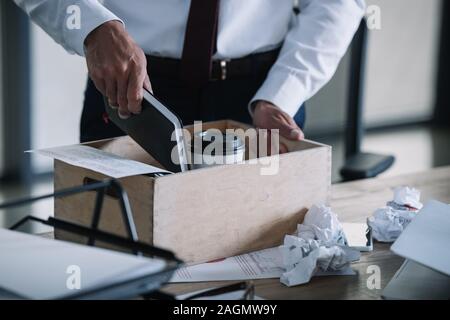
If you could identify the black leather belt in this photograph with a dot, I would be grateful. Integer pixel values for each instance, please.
(252, 65)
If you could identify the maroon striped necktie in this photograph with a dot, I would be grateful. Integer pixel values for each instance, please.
(199, 42)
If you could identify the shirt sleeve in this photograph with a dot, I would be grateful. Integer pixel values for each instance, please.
(311, 52)
(55, 17)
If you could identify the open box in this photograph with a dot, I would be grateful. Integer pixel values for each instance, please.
(210, 213)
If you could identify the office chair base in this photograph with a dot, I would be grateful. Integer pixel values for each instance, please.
(365, 165)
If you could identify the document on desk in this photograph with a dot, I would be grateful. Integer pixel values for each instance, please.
(100, 161)
(262, 264)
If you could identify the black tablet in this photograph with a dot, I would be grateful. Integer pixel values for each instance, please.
(157, 130)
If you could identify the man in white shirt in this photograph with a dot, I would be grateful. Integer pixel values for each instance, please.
(252, 60)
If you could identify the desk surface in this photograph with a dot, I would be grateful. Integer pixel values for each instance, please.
(353, 202)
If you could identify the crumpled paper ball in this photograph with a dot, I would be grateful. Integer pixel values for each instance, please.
(321, 223)
(319, 245)
(388, 222)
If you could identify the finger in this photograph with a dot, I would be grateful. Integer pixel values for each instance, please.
(283, 148)
(265, 142)
(296, 133)
(289, 129)
(111, 93)
(273, 147)
(268, 139)
(269, 143)
(286, 130)
(122, 86)
(148, 84)
(275, 144)
(123, 113)
(135, 90)
(122, 100)
(100, 85)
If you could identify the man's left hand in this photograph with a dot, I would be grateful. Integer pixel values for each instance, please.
(268, 116)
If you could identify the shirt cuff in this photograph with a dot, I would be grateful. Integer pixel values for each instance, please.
(283, 89)
(92, 15)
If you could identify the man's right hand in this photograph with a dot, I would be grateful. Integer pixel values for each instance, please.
(118, 67)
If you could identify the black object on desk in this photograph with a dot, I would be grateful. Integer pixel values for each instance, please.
(358, 164)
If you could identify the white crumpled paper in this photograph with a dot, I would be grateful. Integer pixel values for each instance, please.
(318, 247)
(322, 224)
(388, 222)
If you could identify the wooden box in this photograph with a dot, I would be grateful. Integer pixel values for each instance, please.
(209, 213)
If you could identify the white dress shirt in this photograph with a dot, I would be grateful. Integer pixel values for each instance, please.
(313, 42)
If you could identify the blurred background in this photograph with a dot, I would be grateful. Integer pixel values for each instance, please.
(397, 77)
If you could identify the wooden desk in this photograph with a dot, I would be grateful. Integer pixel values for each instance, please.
(353, 202)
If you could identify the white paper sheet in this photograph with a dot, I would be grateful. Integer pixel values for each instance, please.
(357, 236)
(262, 264)
(100, 161)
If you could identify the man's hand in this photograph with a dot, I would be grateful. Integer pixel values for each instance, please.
(268, 116)
(118, 67)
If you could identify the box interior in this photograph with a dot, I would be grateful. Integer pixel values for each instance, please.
(129, 149)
